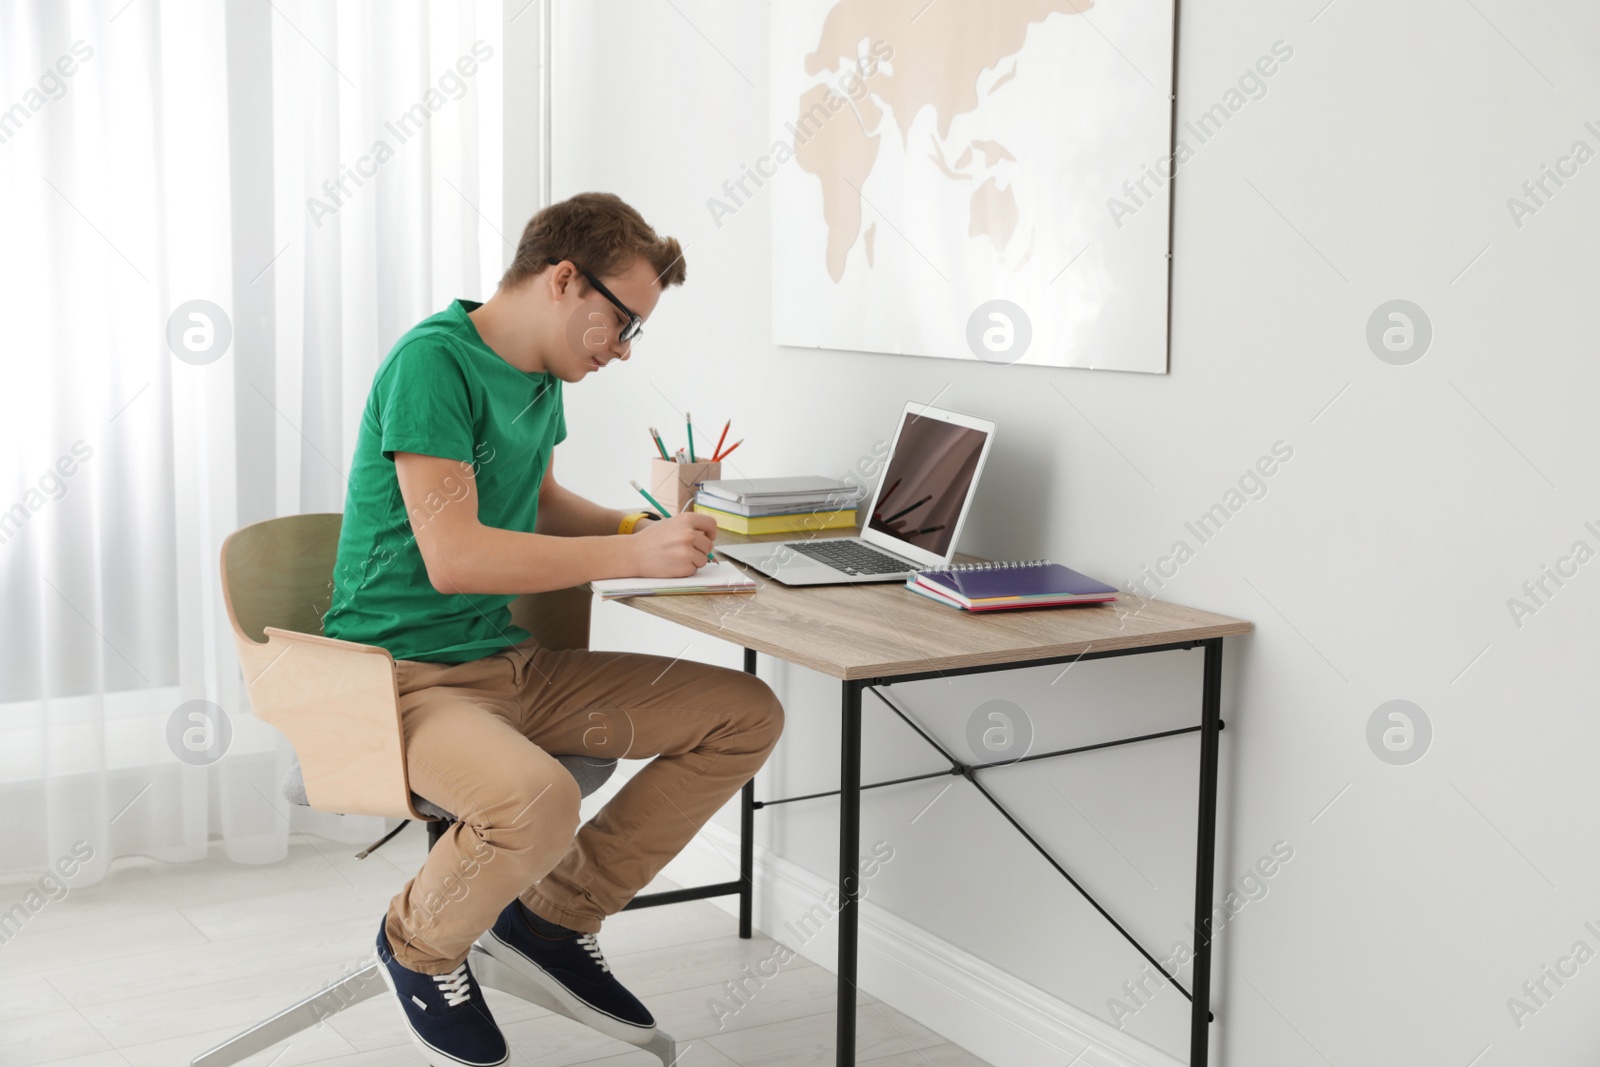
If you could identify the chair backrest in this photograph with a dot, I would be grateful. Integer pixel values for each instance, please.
(280, 573)
(336, 700)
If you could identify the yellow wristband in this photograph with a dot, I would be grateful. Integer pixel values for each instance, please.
(632, 520)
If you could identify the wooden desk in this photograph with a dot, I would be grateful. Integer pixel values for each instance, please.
(870, 636)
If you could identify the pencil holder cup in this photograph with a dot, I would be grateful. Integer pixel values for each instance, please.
(675, 484)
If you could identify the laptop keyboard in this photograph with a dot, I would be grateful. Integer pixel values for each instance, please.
(852, 557)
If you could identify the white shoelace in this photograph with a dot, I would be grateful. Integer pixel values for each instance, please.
(592, 946)
(454, 986)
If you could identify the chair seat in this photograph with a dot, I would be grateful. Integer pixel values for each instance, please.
(589, 773)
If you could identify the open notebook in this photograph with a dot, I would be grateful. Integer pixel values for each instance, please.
(716, 577)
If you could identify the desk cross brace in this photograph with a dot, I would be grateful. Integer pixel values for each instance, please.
(969, 772)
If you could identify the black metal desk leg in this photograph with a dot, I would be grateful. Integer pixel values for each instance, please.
(747, 835)
(747, 857)
(1205, 853)
(849, 883)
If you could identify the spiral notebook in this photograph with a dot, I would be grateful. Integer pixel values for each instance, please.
(1001, 584)
(716, 577)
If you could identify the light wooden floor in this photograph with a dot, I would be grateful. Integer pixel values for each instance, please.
(160, 962)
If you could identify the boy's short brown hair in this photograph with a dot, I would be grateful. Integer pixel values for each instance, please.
(601, 234)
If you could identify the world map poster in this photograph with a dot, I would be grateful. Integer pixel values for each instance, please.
(973, 179)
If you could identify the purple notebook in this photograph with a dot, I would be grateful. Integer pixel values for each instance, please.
(1007, 579)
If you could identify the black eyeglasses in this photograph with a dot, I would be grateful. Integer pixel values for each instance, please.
(635, 325)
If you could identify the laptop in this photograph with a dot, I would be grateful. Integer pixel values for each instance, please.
(915, 516)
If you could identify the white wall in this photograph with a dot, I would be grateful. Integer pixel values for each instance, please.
(1378, 566)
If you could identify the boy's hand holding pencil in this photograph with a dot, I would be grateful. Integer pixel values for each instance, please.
(678, 545)
(674, 547)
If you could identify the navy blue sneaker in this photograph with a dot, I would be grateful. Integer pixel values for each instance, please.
(448, 1018)
(573, 970)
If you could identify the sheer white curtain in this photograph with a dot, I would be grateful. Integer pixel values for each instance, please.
(217, 218)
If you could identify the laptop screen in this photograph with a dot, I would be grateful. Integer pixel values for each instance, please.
(926, 484)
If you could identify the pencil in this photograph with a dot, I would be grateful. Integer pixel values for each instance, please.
(661, 447)
(665, 514)
(716, 453)
(688, 423)
(733, 446)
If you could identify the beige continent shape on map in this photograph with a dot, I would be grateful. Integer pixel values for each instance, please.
(939, 52)
(993, 214)
(841, 153)
(993, 152)
(939, 49)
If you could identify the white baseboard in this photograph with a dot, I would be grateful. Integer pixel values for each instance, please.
(995, 1016)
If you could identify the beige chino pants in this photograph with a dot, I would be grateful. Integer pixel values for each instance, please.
(480, 742)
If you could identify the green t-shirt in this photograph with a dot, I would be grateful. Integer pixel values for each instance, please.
(441, 392)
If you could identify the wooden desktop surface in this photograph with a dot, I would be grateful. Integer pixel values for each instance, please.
(883, 629)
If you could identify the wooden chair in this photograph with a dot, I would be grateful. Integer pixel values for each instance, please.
(338, 703)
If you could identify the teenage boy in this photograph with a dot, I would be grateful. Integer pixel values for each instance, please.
(453, 510)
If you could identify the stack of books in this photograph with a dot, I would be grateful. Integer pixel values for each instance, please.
(1003, 584)
(779, 505)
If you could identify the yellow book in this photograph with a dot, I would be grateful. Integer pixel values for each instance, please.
(803, 522)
